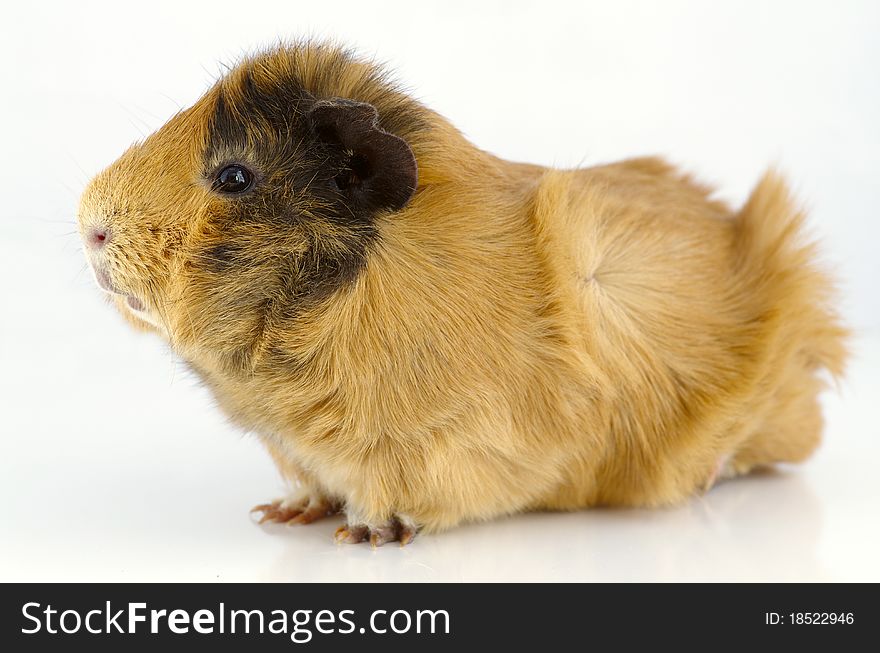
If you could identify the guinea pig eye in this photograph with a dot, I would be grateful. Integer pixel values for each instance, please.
(233, 179)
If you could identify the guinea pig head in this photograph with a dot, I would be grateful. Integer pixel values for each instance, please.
(246, 209)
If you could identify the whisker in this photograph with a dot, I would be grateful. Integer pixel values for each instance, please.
(172, 100)
(48, 221)
(85, 175)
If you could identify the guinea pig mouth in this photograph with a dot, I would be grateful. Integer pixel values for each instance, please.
(135, 304)
(106, 284)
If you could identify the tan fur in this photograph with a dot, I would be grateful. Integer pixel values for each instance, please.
(520, 338)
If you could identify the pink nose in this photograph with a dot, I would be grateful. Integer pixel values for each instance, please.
(97, 237)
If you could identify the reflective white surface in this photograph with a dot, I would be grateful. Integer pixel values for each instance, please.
(114, 464)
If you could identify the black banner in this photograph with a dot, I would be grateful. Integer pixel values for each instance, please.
(318, 617)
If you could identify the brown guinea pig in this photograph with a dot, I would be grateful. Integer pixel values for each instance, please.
(423, 334)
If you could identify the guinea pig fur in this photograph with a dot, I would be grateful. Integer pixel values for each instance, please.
(423, 334)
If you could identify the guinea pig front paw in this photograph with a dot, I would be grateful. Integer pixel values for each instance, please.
(300, 508)
(399, 528)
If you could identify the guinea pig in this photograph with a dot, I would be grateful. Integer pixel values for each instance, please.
(423, 334)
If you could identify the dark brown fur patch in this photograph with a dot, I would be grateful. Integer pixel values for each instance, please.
(261, 120)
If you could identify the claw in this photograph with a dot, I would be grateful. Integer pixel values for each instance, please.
(293, 512)
(407, 536)
(309, 515)
(351, 534)
(396, 529)
(263, 507)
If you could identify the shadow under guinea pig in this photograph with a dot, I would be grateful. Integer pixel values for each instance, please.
(762, 528)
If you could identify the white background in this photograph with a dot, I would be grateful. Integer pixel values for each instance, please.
(114, 464)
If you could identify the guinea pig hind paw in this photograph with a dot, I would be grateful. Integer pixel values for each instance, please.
(721, 471)
(300, 510)
(396, 529)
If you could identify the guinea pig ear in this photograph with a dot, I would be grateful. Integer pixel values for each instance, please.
(380, 170)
